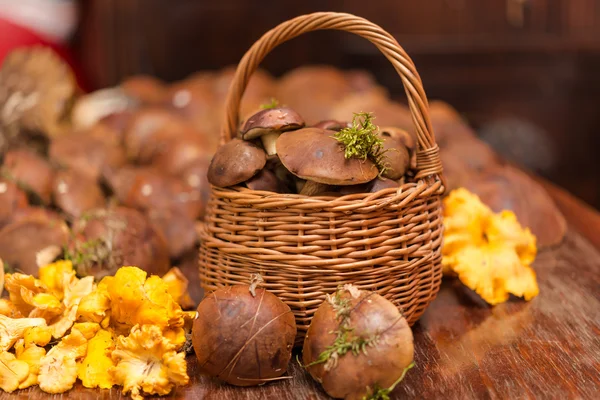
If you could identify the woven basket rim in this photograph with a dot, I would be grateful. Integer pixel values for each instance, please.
(366, 202)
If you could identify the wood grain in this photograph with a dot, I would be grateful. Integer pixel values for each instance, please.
(548, 348)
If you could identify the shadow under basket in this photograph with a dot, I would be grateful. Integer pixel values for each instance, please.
(306, 247)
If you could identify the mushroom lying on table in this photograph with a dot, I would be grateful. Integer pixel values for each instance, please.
(268, 124)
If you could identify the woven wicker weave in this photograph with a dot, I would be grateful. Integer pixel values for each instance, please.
(305, 247)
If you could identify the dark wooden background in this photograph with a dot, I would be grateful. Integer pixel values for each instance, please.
(523, 72)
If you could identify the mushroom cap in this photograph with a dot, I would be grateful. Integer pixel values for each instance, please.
(278, 119)
(236, 162)
(147, 89)
(400, 146)
(37, 89)
(267, 181)
(401, 136)
(312, 154)
(332, 125)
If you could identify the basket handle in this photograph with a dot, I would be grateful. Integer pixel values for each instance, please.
(428, 159)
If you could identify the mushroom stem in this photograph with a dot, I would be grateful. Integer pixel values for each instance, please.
(268, 141)
(312, 188)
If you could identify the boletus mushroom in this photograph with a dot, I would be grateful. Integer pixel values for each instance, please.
(267, 181)
(29, 234)
(37, 91)
(150, 188)
(358, 345)
(76, 193)
(94, 106)
(318, 157)
(106, 239)
(235, 162)
(29, 171)
(243, 335)
(332, 125)
(146, 89)
(269, 123)
(12, 198)
(88, 152)
(400, 148)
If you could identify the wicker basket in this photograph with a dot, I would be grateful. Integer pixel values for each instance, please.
(305, 247)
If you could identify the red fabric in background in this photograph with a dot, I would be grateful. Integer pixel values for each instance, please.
(13, 36)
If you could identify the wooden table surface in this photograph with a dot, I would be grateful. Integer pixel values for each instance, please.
(548, 348)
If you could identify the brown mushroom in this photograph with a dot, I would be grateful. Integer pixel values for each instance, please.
(195, 176)
(12, 198)
(401, 151)
(269, 124)
(30, 171)
(314, 155)
(236, 162)
(507, 188)
(267, 181)
(149, 188)
(380, 184)
(92, 107)
(178, 229)
(332, 125)
(313, 90)
(172, 150)
(88, 152)
(375, 185)
(22, 239)
(75, 193)
(387, 112)
(37, 89)
(144, 88)
(106, 239)
(447, 124)
(261, 87)
(147, 122)
(194, 101)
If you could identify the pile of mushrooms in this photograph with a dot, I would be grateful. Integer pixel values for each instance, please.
(275, 151)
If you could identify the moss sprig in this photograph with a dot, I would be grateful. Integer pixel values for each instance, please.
(362, 140)
(384, 394)
(345, 341)
(273, 103)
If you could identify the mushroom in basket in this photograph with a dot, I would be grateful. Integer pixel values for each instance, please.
(330, 158)
(269, 123)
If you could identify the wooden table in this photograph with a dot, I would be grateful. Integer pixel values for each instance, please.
(548, 348)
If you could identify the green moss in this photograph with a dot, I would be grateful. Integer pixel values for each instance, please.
(384, 394)
(345, 341)
(274, 103)
(362, 140)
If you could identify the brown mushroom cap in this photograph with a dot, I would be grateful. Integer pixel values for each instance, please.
(312, 154)
(75, 193)
(37, 89)
(145, 88)
(280, 119)
(92, 107)
(23, 238)
(401, 151)
(12, 198)
(332, 125)
(31, 171)
(236, 162)
(267, 181)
